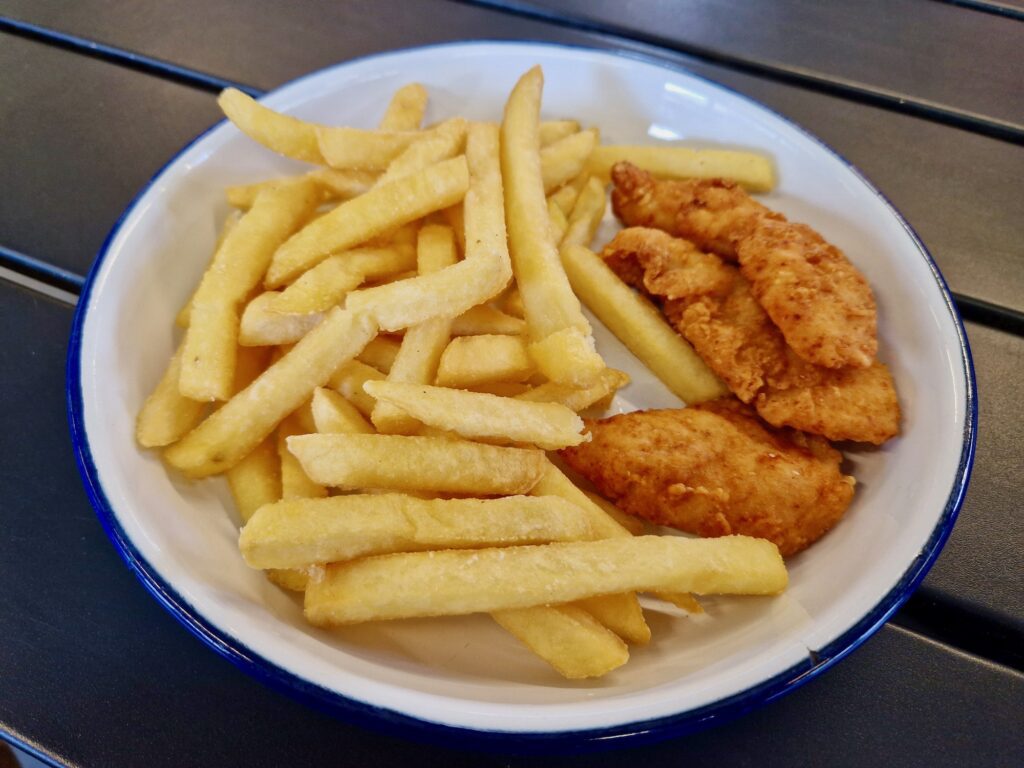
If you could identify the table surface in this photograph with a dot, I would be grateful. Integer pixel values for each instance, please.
(926, 97)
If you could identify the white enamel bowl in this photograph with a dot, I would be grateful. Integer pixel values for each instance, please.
(463, 679)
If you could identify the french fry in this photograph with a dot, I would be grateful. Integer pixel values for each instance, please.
(404, 463)
(476, 415)
(484, 272)
(208, 356)
(455, 582)
(485, 319)
(423, 344)
(606, 384)
(230, 221)
(355, 221)
(553, 130)
(226, 436)
(501, 388)
(167, 414)
(256, 479)
(621, 614)
(441, 143)
(285, 135)
(295, 483)
(381, 353)
(406, 109)
(292, 534)
(349, 379)
(565, 198)
(292, 579)
(568, 357)
(262, 326)
(753, 171)
(363, 150)
(634, 525)
(641, 327)
(586, 214)
(513, 303)
(565, 159)
(333, 184)
(549, 303)
(568, 638)
(333, 414)
(469, 361)
(557, 221)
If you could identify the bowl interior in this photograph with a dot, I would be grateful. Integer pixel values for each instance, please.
(465, 671)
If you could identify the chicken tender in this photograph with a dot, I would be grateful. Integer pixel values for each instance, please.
(713, 306)
(821, 303)
(713, 470)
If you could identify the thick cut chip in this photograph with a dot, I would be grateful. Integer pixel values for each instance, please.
(553, 130)
(478, 415)
(469, 361)
(364, 150)
(485, 319)
(634, 525)
(333, 414)
(566, 637)
(208, 356)
(349, 379)
(751, 170)
(167, 414)
(256, 479)
(406, 109)
(641, 327)
(578, 399)
(295, 483)
(568, 357)
(457, 582)
(381, 353)
(565, 198)
(443, 142)
(231, 432)
(557, 221)
(402, 463)
(263, 326)
(318, 289)
(377, 212)
(486, 269)
(295, 533)
(622, 614)
(566, 158)
(285, 135)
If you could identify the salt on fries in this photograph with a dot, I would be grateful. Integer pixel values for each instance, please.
(293, 328)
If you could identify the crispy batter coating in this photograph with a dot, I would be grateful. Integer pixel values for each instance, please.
(713, 306)
(821, 303)
(714, 469)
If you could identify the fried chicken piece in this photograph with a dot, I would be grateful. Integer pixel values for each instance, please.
(714, 469)
(821, 303)
(713, 306)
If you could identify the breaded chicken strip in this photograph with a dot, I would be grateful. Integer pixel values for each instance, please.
(714, 469)
(821, 303)
(712, 305)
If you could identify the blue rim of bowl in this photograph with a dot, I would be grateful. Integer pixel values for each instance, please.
(394, 723)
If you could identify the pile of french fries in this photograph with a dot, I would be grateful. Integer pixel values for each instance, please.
(383, 348)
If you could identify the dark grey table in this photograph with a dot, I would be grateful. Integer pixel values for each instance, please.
(927, 98)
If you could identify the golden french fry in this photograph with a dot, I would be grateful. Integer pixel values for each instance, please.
(211, 341)
(553, 130)
(185, 313)
(167, 414)
(292, 579)
(469, 361)
(300, 532)
(606, 384)
(622, 614)
(634, 525)
(363, 150)
(263, 326)
(476, 415)
(513, 303)
(355, 221)
(256, 479)
(501, 388)
(586, 214)
(565, 198)
(753, 171)
(333, 414)
(683, 600)
(403, 463)
(285, 135)
(381, 353)
(441, 143)
(349, 379)
(557, 221)
(483, 273)
(406, 109)
(641, 327)
(455, 582)
(227, 435)
(568, 638)
(565, 159)
(549, 303)
(423, 344)
(295, 483)
(333, 184)
(486, 319)
(455, 217)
